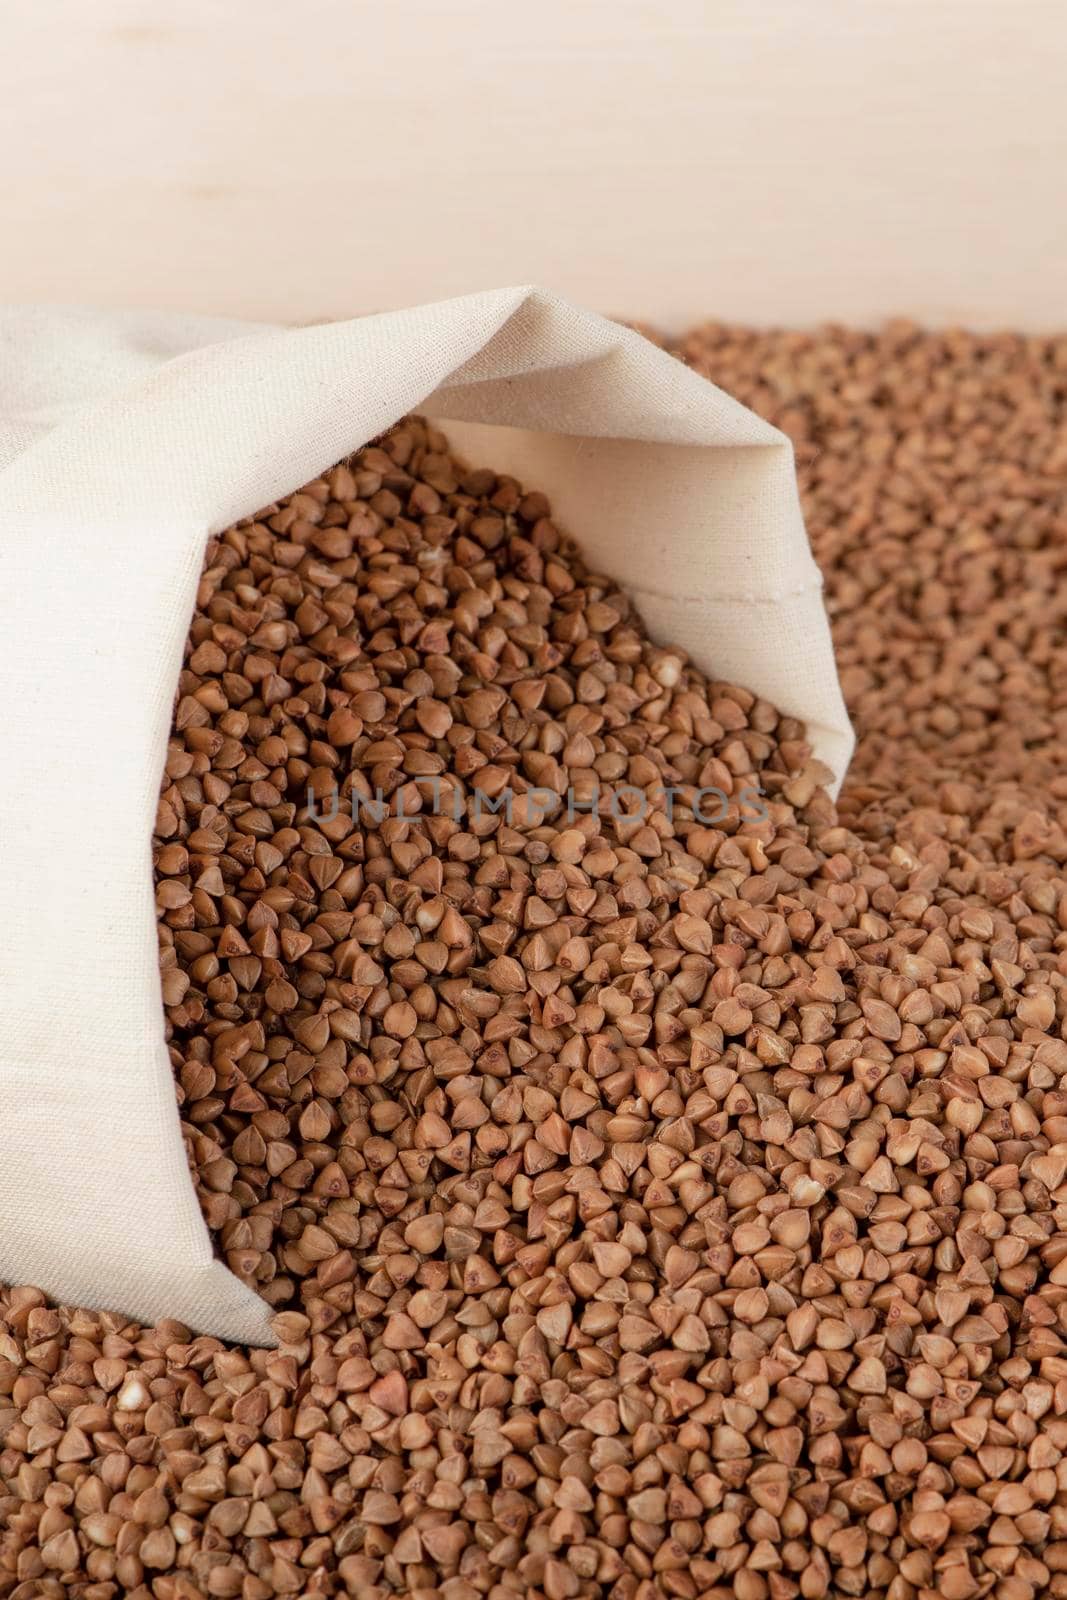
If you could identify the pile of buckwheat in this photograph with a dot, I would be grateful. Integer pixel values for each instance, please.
(652, 1203)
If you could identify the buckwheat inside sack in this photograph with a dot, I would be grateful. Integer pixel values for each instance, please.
(371, 1010)
(660, 1199)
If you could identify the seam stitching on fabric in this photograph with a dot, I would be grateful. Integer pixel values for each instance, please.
(727, 599)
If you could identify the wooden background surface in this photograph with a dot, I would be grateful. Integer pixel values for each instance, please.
(768, 160)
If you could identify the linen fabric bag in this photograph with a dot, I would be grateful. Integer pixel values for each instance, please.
(125, 440)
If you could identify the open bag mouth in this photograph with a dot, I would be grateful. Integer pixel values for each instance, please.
(682, 495)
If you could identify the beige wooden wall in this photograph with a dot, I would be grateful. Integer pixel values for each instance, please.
(770, 160)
